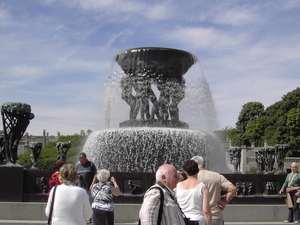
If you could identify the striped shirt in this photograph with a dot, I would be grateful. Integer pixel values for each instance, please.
(150, 208)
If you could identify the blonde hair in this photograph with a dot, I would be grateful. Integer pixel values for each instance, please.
(103, 175)
(68, 172)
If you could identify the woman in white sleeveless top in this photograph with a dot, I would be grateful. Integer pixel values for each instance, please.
(193, 197)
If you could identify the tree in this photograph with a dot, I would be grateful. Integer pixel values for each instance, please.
(255, 130)
(293, 124)
(233, 134)
(249, 112)
(49, 153)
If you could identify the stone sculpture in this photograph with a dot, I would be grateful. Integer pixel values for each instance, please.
(35, 148)
(244, 188)
(270, 158)
(265, 158)
(135, 188)
(260, 159)
(280, 152)
(62, 150)
(16, 117)
(235, 158)
(154, 67)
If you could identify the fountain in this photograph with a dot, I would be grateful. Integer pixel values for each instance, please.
(169, 102)
(170, 118)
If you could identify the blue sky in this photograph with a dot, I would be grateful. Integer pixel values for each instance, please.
(56, 54)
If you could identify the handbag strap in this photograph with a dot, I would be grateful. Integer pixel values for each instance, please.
(162, 198)
(100, 187)
(161, 206)
(51, 207)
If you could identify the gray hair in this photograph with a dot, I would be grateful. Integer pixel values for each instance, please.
(295, 164)
(162, 170)
(103, 175)
(81, 154)
(199, 160)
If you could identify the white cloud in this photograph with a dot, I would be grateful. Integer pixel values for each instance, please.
(205, 38)
(160, 11)
(57, 56)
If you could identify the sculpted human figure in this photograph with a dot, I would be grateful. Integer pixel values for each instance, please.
(144, 94)
(270, 158)
(35, 148)
(16, 134)
(260, 160)
(62, 150)
(164, 100)
(127, 96)
(235, 157)
(176, 95)
(140, 87)
(280, 151)
(250, 189)
(244, 189)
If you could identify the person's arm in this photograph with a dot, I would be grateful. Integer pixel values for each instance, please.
(87, 211)
(231, 191)
(115, 190)
(284, 186)
(93, 182)
(205, 206)
(150, 208)
(48, 206)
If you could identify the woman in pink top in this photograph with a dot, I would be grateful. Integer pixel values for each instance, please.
(193, 197)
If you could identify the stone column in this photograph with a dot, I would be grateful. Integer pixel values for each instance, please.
(243, 160)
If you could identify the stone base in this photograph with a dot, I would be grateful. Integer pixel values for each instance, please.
(128, 213)
(11, 188)
(154, 123)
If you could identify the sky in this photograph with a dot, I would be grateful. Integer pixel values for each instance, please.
(56, 55)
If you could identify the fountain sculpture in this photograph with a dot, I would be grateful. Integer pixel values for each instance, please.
(160, 89)
(16, 117)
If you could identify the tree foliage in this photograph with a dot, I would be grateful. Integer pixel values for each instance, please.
(49, 153)
(249, 112)
(278, 123)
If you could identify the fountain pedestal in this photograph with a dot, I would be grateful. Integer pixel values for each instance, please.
(11, 188)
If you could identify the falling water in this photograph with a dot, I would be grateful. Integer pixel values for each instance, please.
(141, 148)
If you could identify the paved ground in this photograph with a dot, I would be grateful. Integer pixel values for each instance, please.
(42, 222)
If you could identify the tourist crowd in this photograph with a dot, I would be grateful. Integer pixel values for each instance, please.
(83, 195)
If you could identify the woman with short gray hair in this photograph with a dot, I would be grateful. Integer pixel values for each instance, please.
(102, 193)
(292, 187)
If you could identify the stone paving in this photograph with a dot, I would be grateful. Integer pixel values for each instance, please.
(42, 222)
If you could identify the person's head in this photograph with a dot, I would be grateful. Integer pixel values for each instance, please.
(68, 172)
(167, 174)
(294, 167)
(59, 164)
(190, 167)
(103, 175)
(199, 160)
(82, 157)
